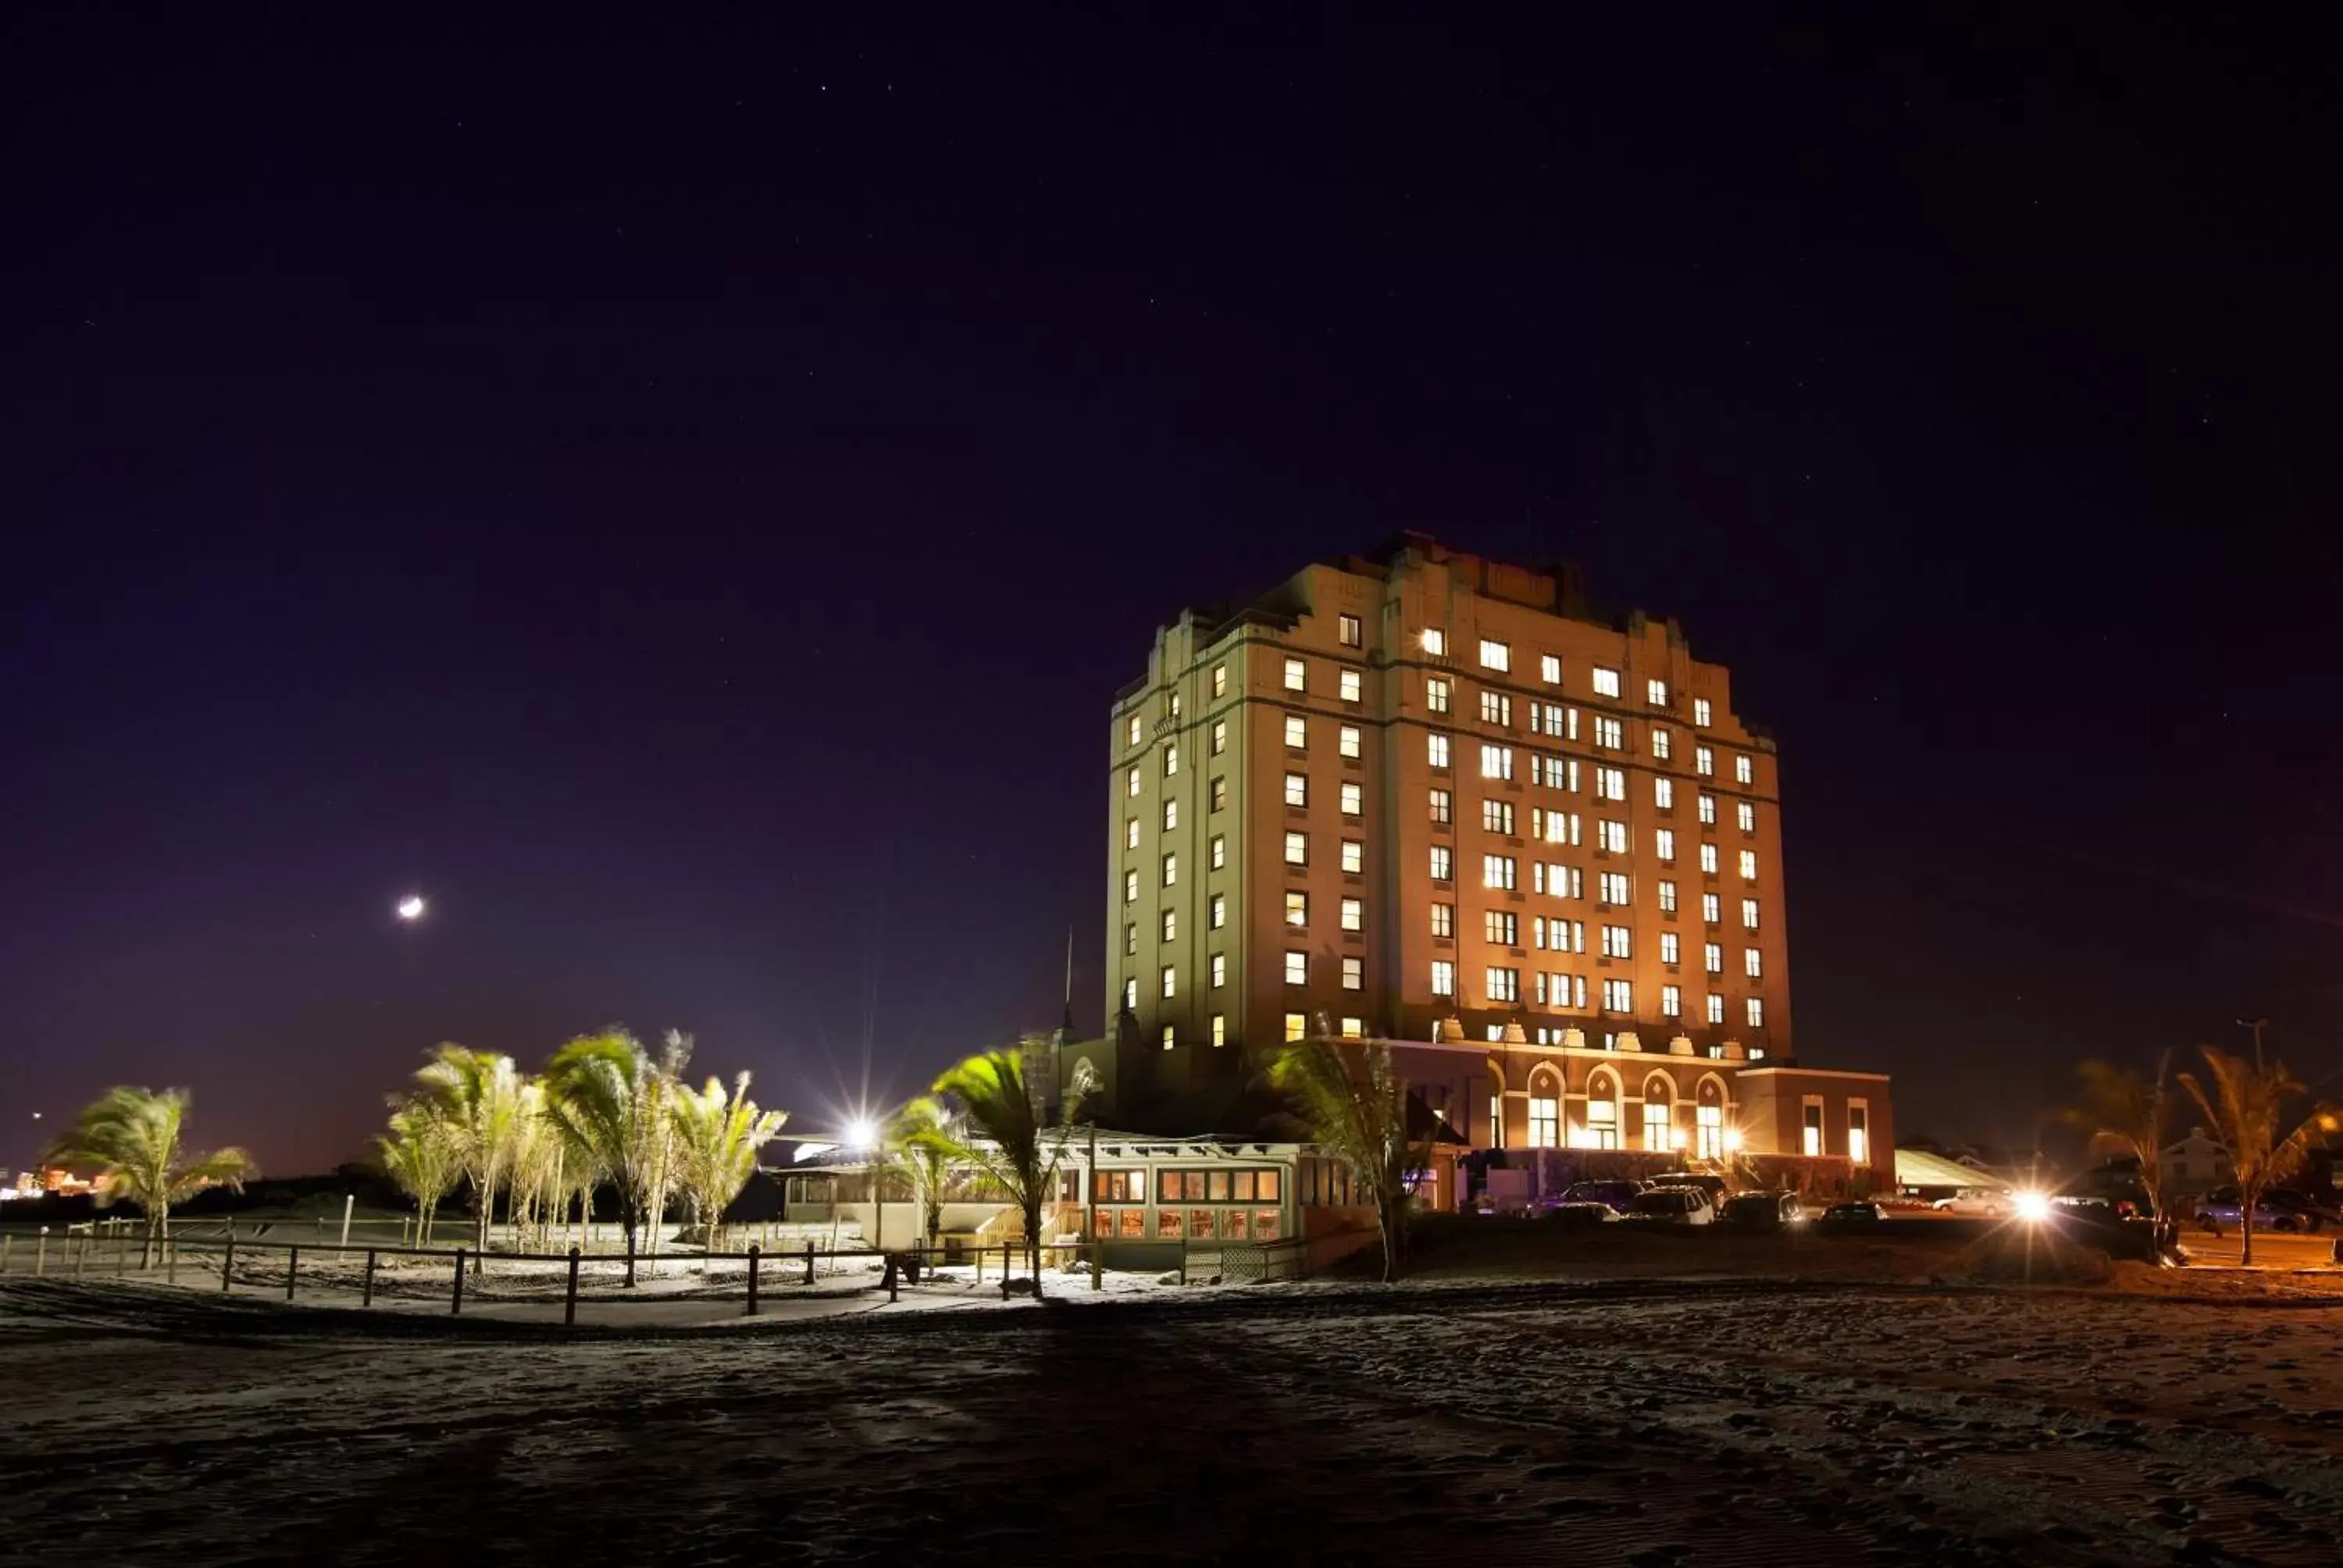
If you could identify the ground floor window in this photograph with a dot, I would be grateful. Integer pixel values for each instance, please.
(1602, 1124)
(1709, 1121)
(1545, 1123)
(1659, 1131)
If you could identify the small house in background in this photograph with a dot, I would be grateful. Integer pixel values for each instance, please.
(2195, 1165)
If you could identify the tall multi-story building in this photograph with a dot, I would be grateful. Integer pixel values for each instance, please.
(1431, 799)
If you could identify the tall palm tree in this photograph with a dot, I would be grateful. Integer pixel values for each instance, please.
(716, 1141)
(2250, 1106)
(919, 1136)
(2127, 1111)
(1354, 1102)
(1005, 1135)
(477, 1093)
(131, 1136)
(418, 1154)
(611, 1100)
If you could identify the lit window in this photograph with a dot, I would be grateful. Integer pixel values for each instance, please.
(1130, 886)
(1354, 857)
(1297, 909)
(1664, 843)
(1655, 692)
(1436, 749)
(1170, 761)
(1748, 865)
(1667, 898)
(1700, 711)
(1615, 942)
(1171, 815)
(1613, 889)
(1355, 914)
(1220, 681)
(1610, 784)
(1352, 686)
(1220, 910)
(1712, 909)
(1504, 985)
(1219, 793)
(1442, 863)
(1708, 859)
(1496, 655)
(1500, 927)
(1171, 980)
(1609, 733)
(1671, 1001)
(1444, 977)
(1744, 771)
(1664, 794)
(1757, 1006)
(1704, 761)
(1497, 872)
(1175, 705)
(1220, 973)
(1497, 817)
(1611, 836)
(1297, 849)
(1496, 763)
(1348, 631)
(1714, 953)
(1171, 870)
(1132, 731)
(1297, 968)
(1297, 789)
(1435, 641)
(1858, 1132)
(1606, 682)
(1497, 709)
(1130, 834)
(1170, 925)
(1747, 814)
(1296, 676)
(1295, 1027)
(1435, 693)
(1297, 732)
(1220, 1029)
(1752, 963)
(1354, 1028)
(1130, 782)
(1130, 994)
(1715, 1007)
(1346, 740)
(1355, 974)
(1443, 807)
(1663, 746)
(1618, 996)
(1219, 736)
(1659, 1118)
(1220, 852)
(1550, 670)
(1749, 914)
(1354, 800)
(1131, 938)
(1669, 951)
(1709, 810)
(1443, 919)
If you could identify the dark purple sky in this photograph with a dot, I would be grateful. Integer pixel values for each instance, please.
(684, 502)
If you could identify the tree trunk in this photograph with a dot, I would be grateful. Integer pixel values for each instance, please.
(627, 1221)
(2246, 1221)
(1034, 1245)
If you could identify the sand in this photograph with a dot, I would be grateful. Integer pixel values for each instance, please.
(1635, 1423)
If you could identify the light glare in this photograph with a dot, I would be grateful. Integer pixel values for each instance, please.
(411, 908)
(862, 1133)
(2032, 1207)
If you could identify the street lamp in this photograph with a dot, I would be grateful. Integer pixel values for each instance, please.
(411, 908)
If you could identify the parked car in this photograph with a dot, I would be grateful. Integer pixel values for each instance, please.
(2224, 1208)
(1977, 1203)
(1672, 1206)
(1762, 1211)
(1849, 1217)
(1713, 1185)
(1574, 1215)
(1618, 1196)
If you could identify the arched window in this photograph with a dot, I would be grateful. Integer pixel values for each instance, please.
(1708, 1119)
(1545, 1109)
(1603, 1111)
(1659, 1113)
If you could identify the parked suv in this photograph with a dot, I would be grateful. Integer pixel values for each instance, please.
(1762, 1211)
(1619, 1197)
(1672, 1206)
(1712, 1185)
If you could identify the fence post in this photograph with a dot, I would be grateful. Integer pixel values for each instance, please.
(569, 1302)
(292, 1270)
(455, 1302)
(41, 1255)
(1004, 1270)
(227, 1257)
(808, 1260)
(754, 1251)
(366, 1291)
(81, 1255)
(170, 1259)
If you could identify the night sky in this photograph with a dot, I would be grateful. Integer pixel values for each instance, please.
(683, 502)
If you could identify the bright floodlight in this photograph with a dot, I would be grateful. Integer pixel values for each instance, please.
(862, 1133)
(411, 908)
(2032, 1207)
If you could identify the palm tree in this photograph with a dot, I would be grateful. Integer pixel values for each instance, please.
(1007, 1137)
(611, 1099)
(918, 1136)
(2122, 1109)
(1354, 1102)
(131, 1136)
(716, 1143)
(2246, 1107)
(478, 1094)
(418, 1154)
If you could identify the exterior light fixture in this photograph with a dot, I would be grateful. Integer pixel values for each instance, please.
(2031, 1207)
(861, 1133)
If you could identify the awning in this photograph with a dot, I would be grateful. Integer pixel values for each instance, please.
(1919, 1168)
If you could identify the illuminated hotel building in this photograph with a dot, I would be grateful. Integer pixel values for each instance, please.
(1434, 799)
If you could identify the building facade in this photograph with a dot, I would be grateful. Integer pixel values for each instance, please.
(1428, 797)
